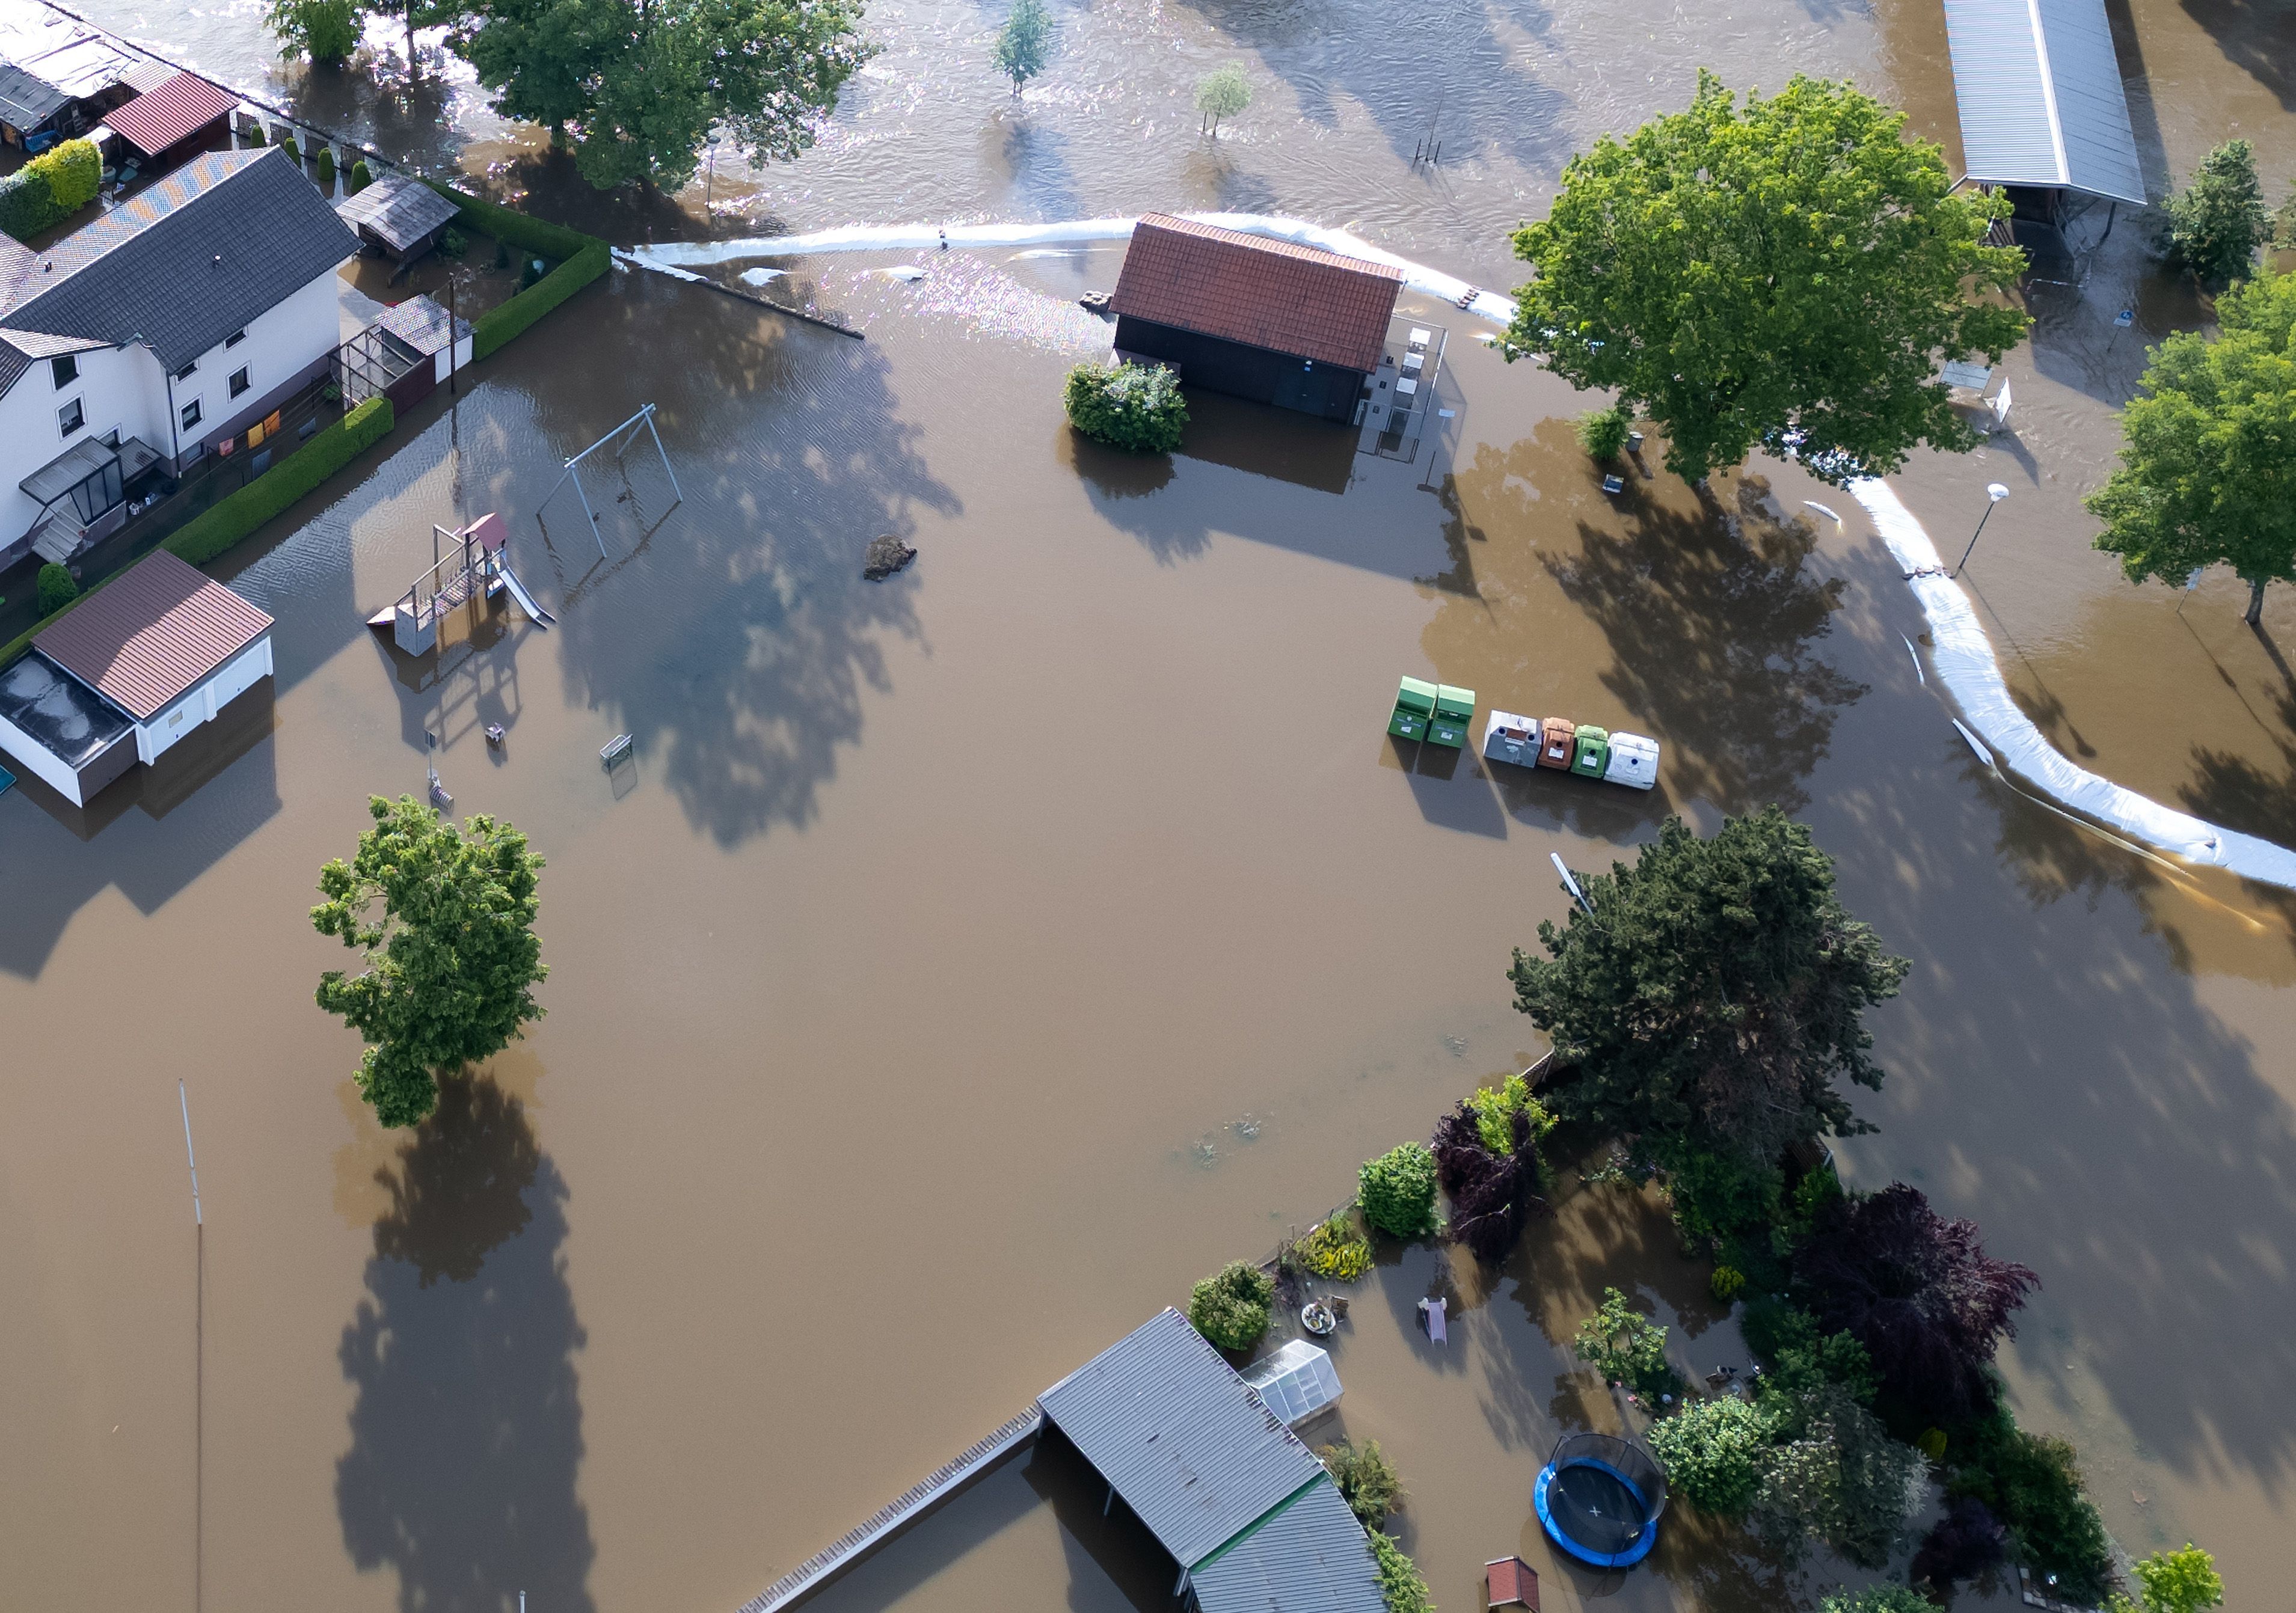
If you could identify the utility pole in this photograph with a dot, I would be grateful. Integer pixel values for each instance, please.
(1994, 493)
(453, 338)
(199, 1366)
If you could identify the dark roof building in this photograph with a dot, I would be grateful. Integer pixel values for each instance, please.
(1270, 320)
(27, 103)
(1243, 1507)
(399, 214)
(183, 265)
(158, 629)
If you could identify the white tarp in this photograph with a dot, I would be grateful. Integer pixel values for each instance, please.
(1963, 654)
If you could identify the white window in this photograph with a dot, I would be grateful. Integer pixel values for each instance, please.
(70, 418)
(192, 412)
(238, 382)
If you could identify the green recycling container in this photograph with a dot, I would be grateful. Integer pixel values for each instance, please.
(1454, 713)
(1414, 704)
(1594, 754)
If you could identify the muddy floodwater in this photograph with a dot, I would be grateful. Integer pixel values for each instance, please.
(971, 960)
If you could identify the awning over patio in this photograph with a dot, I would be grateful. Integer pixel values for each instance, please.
(2040, 97)
(174, 112)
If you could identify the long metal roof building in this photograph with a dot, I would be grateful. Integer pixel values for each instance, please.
(1231, 1493)
(2040, 95)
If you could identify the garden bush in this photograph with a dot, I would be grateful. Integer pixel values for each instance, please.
(1491, 1193)
(453, 244)
(1230, 1309)
(1137, 407)
(1713, 1454)
(56, 588)
(1836, 1475)
(1964, 1544)
(2174, 1582)
(1726, 1283)
(1626, 1346)
(232, 518)
(1397, 1191)
(1876, 1599)
(2033, 1485)
(1367, 1480)
(360, 176)
(50, 188)
(255, 136)
(1336, 1249)
(1495, 1108)
(294, 152)
(1603, 432)
(326, 164)
(1400, 1584)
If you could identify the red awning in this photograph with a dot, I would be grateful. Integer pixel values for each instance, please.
(178, 109)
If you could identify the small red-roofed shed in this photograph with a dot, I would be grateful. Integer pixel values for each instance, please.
(181, 112)
(1268, 320)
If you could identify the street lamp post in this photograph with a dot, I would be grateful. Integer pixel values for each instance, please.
(710, 185)
(1994, 493)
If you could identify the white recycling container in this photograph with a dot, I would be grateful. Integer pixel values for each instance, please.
(1634, 761)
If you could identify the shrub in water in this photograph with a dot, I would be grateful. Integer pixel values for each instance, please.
(56, 588)
(1712, 1452)
(1495, 1108)
(2033, 1485)
(1726, 1283)
(1876, 1599)
(453, 244)
(326, 165)
(1491, 1192)
(1367, 1480)
(50, 188)
(1603, 432)
(1136, 407)
(1961, 1546)
(294, 152)
(360, 176)
(1626, 1346)
(1336, 1249)
(1400, 1584)
(1398, 1190)
(1231, 1308)
(2176, 1582)
(528, 272)
(255, 137)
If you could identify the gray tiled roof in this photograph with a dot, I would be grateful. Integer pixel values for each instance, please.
(400, 209)
(183, 265)
(1182, 1438)
(20, 351)
(1312, 1557)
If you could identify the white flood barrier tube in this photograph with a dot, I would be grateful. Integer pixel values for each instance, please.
(1963, 657)
(1963, 654)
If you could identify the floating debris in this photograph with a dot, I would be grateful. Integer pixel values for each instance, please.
(759, 277)
(905, 271)
(1093, 302)
(887, 554)
(1246, 1127)
(619, 748)
(494, 734)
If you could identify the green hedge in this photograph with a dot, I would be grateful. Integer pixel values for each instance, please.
(231, 519)
(582, 259)
(50, 188)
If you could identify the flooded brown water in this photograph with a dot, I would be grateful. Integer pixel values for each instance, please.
(975, 959)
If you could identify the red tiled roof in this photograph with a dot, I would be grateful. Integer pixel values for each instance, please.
(158, 119)
(1274, 294)
(153, 632)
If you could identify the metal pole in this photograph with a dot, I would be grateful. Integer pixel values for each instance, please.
(199, 1366)
(452, 356)
(1973, 536)
(593, 514)
(657, 448)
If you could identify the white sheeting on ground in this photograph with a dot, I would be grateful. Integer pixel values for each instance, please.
(1963, 654)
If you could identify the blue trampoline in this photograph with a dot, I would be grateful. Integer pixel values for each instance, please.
(1599, 1499)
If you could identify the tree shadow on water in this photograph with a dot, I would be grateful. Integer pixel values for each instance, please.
(733, 635)
(466, 1435)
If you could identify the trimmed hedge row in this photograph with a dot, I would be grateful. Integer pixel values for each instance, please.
(582, 258)
(50, 188)
(231, 519)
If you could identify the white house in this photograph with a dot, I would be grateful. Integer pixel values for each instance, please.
(127, 675)
(159, 332)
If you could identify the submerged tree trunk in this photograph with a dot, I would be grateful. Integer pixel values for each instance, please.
(413, 67)
(2255, 602)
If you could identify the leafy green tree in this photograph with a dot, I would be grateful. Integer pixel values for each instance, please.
(1399, 1584)
(1398, 1190)
(2174, 1582)
(1495, 1108)
(2208, 464)
(1785, 275)
(1837, 1477)
(1715, 994)
(1230, 1307)
(452, 958)
(55, 587)
(1713, 1454)
(1876, 1599)
(324, 30)
(1137, 407)
(2216, 223)
(1024, 45)
(1626, 1346)
(1222, 93)
(1367, 1480)
(634, 86)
